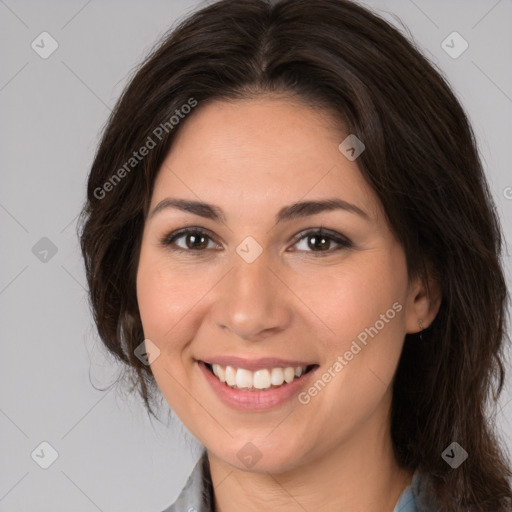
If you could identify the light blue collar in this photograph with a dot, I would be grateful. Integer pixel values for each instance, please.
(196, 496)
(407, 500)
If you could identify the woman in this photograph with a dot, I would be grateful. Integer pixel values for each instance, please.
(288, 233)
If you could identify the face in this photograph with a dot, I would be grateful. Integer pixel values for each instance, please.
(254, 289)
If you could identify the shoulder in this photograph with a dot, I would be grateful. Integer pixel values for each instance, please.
(423, 491)
(196, 495)
(417, 497)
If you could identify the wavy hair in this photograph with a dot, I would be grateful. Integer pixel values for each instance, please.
(421, 159)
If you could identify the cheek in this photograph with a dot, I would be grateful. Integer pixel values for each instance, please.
(163, 296)
(361, 307)
(164, 299)
(363, 294)
(153, 300)
(353, 384)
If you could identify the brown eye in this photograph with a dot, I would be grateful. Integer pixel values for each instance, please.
(196, 241)
(193, 240)
(320, 241)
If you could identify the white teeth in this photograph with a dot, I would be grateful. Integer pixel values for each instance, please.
(289, 374)
(243, 378)
(230, 376)
(277, 376)
(261, 379)
(240, 378)
(220, 372)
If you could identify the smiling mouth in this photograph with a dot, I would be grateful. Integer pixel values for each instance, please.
(259, 380)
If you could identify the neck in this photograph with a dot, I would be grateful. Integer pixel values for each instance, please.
(358, 475)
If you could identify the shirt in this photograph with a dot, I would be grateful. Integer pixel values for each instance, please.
(197, 495)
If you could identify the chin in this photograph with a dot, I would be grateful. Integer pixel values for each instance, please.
(261, 456)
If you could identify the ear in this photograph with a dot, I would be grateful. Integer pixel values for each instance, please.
(422, 304)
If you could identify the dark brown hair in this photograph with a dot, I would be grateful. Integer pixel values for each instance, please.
(421, 160)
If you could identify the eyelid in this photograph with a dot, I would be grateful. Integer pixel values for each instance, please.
(333, 235)
(169, 239)
(341, 240)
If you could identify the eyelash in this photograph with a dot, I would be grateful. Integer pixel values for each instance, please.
(343, 242)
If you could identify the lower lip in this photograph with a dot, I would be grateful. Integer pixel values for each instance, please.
(255, 400)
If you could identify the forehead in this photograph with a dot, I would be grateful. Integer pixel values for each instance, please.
(256, 153)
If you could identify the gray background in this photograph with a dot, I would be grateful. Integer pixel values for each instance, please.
(110, 456)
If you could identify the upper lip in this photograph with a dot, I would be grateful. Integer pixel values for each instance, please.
(256, 364)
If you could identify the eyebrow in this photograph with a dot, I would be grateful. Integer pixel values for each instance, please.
(287, 213)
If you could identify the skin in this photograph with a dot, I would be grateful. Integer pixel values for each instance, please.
(250, 158)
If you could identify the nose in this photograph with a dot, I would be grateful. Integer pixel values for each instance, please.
(253, 301)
